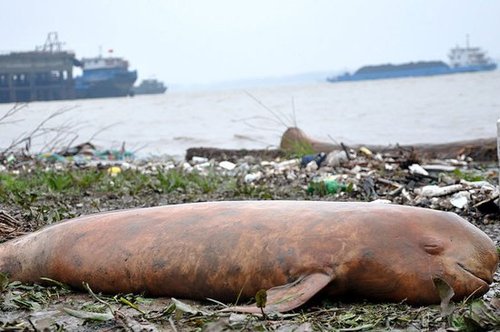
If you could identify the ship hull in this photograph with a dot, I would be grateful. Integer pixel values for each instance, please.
(101, 86)
(149, 87)
(138, 91)
(417, 72)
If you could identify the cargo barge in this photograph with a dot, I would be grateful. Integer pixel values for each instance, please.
(462, 60)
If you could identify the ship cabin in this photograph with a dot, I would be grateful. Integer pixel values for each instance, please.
(101, 63)
(467, 56)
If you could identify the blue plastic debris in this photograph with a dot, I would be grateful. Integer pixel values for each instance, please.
(318, 158)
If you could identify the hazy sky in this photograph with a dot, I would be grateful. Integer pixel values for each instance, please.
(183, 42)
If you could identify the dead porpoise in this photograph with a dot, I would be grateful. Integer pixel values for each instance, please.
(293, 249)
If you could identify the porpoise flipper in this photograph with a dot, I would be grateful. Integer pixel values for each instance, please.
(290, 296)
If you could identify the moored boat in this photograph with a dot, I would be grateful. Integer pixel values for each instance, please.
(149, 87)
(105, 77)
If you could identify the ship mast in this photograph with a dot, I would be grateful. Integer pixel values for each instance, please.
(52, 43)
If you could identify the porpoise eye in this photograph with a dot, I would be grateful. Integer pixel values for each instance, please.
(433, 248)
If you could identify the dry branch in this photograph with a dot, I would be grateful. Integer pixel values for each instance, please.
(39, 130)
(11, 112)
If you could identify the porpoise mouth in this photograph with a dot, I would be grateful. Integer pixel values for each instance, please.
(487, 280)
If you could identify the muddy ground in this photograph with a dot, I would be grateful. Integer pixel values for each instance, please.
(40, 191)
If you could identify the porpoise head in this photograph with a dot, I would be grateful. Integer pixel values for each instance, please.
(418, 248)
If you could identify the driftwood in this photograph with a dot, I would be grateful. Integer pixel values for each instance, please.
(479, 149)
(294, 139)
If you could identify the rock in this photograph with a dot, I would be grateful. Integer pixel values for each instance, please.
(460, 199)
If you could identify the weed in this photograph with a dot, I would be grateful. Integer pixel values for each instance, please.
(171, 180)
(299, 149)
(57, 181)
(87, 179)
(250, 190)
(468, 175)
(27, 297)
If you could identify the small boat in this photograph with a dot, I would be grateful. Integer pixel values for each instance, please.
(149, 87)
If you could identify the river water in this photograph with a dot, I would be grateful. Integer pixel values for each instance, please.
(410, 110)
